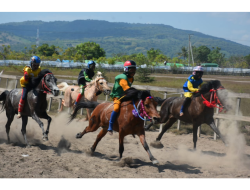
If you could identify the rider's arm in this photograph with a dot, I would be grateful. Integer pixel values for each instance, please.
(86, 77)
(26, 76)
(201, 85)
(191, 88)
(124, 84)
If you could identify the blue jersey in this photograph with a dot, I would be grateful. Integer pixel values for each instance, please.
(194, 82)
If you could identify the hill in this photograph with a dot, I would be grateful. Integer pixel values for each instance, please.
(114, 37)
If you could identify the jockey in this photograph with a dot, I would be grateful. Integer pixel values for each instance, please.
(31, 70)
(122, 83)
(191, 85)
(85, 75)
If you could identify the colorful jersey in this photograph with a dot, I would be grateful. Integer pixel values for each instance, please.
(122, 83)
(28, 72)
(85, 75)
(191, 85)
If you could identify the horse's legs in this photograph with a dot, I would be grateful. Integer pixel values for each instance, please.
(121, 146)
(62, 104)
(168, 124)
(145, 145)
(87, 115)
(195, 128)
(216, 130)
(23, 130)
(10, 117)
(93, 126)
(147, 127)
(45, 116)
(102, 133)
(40, 123)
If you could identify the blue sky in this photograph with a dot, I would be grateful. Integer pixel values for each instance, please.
(217, 20)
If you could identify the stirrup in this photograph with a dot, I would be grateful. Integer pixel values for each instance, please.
(19, 115)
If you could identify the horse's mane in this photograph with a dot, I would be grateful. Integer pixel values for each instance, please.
(34, 81)
(134, 94)
(212, 84)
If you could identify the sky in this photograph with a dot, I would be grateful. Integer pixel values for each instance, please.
(219, 18)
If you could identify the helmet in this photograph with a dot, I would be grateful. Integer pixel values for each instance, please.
(197, 69)
(90, 63)
(128, 64)
(35, 60)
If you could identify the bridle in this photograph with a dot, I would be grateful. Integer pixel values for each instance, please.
(45, 88)
(214, 99)
(141, 113)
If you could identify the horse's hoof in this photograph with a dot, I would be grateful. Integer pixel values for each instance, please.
(45, 138)
(78, 135)
(155, 162)
(156, 144)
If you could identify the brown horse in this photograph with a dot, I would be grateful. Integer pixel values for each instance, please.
(94, 88)
(126, 122)
(197, 112)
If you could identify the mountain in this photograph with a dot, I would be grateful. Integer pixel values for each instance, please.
(113, 37)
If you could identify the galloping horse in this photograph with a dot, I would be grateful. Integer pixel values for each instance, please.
(94, 88)
(200, 110)
(126, 123)
(35, 105)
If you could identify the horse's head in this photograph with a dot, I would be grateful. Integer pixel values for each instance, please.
(223, 98)
(150, 105)
(102, 84)
(49, 84)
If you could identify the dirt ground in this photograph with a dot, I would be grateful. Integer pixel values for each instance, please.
(64, 156)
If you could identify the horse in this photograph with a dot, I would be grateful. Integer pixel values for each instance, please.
(35, 105)
(199, 111)
(128, 121)
(93, 89)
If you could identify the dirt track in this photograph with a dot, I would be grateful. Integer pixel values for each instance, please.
(177, 160)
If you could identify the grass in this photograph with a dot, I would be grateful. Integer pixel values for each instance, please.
(165, 80)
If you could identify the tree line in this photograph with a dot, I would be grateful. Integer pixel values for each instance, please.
(91, 50)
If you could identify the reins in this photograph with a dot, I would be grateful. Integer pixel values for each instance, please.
(214, 99)
(45, 88)
(142, 110)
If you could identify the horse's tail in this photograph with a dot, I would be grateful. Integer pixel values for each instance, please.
(82, 105)
(3, 98)
(159, 100)
(62, 86)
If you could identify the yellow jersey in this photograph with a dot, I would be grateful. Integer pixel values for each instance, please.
(30, 73)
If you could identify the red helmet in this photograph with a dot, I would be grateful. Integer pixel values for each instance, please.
(128, 64)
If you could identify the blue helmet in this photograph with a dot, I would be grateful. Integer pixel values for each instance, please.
(35, 59)
(90, 63)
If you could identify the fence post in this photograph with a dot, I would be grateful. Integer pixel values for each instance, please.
(216, 122)
(81, 111)
(7, 81)
(0, 79)
(237, 109)
(106, 98)
(179, 122)
(199, 131)
(50, 102)
(16, 83)
(164, 97)
(59, 104)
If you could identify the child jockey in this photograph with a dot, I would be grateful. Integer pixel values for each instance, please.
(31, 70)
(191, 85)
(85, 75)
(122, 83)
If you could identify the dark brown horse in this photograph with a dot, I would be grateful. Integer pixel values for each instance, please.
(126, 122)
(196, 112)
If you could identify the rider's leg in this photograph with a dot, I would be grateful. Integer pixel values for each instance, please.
(185, 104)
(80, 95)
(22, 102)
(114, 114)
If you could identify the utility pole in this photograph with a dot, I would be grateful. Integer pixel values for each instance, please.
(37, 38)
(190, 49)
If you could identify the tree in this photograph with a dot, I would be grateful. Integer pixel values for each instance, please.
(5, 51)
(69, 53)
(90, 50)
(47, 50)
(153, 53)
(111, 60)
(215, 56)
(183, 53)
(203, 52)
(247, 58)
(140, 59)
(161, 58)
